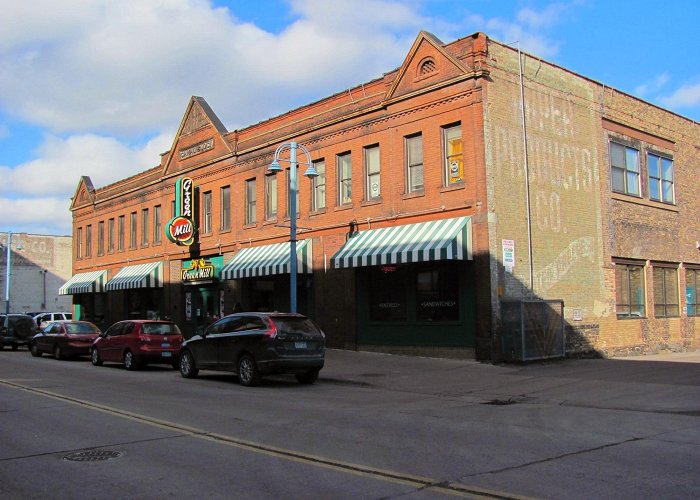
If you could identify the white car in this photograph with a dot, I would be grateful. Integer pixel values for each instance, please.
(43, 319)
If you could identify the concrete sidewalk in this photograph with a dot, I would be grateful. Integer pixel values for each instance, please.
(667, 383)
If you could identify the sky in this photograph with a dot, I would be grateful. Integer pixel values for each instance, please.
(98, 88)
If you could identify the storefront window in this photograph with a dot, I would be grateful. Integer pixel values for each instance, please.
(437, 294)
(388, 292)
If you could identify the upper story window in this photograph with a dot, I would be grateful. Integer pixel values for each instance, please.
(79, 243)
(344, 179)
(660, 170)
(144, 227)
(157, 224)
(630, 290)
(225, 208)
(414, 163)
(666, 292)
(452, 154)
(120, 233)
(624, 165)
(270, 197)
(110, 235)
(319, 186)
(132, 230)
(250, 201)
(88, 240)
(206, 213)
(100, 238)
(373, 188)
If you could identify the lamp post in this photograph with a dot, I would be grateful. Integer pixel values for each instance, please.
(7, 270)
(275, 167)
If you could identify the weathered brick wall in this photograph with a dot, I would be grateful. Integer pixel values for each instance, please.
(577, 224)
(38, 270)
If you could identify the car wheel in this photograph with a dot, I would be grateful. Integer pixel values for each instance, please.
(57, 352)
(188, 368)
(307, 377)
(248, 373)
(95, 357)
(34, 350)
(130, 362)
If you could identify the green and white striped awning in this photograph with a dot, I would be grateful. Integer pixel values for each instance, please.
(446, 239)
(91, 282)
(140, 276)
(267, 260)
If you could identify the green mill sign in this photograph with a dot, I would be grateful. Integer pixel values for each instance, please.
(181, 229)
(201, 270)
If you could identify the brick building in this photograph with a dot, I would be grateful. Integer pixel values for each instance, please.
(39, 265)
(427, 219)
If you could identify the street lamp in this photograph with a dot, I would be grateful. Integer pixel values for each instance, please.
(310, 173)
(7, 269)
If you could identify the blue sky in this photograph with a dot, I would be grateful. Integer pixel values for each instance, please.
(98, 87)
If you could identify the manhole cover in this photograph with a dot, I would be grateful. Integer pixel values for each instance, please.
(93, 456)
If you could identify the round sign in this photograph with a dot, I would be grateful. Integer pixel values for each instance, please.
(181, 231)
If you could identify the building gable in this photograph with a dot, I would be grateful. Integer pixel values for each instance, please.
(84, 193)
(200, 139)
(427, 65)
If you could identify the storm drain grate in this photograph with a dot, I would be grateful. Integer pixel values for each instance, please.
(93, 455)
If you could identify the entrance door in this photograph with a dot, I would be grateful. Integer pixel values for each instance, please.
(204, 307)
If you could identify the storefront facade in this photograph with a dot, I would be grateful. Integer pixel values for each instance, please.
(424, 218)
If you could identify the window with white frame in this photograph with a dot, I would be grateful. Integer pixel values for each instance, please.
(206, 213)
(100, 238)
(270, 197)
(88, 240)
(344, 179)
(373, 188)
(250, 201)
(452, 154)
(660, 170)
(120, 233)
(624, 165)
(79, 245)
(319, 186)
(225, 211)
(110, 235)
(157, 224)
(144, 227)
(414, 163)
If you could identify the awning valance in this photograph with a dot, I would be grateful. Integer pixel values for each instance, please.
(267, 260)
(148, 275)
(445, 239)
(90, 282)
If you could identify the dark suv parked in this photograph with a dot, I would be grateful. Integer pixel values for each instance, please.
(16, 330)
(255, 344)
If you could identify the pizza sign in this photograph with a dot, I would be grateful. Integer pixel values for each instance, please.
(181, 229)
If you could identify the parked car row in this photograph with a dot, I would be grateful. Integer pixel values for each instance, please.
(250, 344)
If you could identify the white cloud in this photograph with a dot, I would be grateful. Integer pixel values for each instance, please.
(653, 86)
(685, 96)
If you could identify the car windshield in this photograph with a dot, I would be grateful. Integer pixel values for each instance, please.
(161, 329)
(81, 328)
(293, 324)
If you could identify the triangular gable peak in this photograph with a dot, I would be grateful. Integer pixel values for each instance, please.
(84, 193)
(200, 139)
(426, 65)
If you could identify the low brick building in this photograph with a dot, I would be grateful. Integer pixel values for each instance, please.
(39, 265)
(426, 220)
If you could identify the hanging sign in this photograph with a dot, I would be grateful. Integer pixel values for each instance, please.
(181, 229)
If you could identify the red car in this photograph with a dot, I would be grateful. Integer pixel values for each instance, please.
(137, 343)
(64, 338)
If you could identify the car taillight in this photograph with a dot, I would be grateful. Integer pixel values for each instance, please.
(271, 331)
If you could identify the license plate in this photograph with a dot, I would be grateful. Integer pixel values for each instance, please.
(299, 345)
(166, 354)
